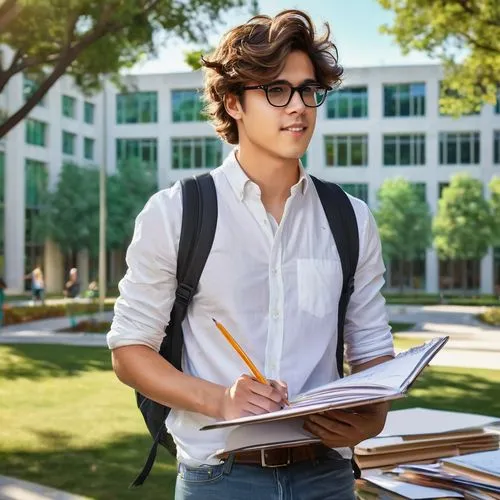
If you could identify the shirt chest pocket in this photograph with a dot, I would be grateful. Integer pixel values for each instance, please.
(319, 284)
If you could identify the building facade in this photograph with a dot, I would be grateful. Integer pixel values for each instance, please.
(383, 122)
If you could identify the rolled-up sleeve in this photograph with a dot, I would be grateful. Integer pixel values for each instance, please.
(147, 291)
(367, 333)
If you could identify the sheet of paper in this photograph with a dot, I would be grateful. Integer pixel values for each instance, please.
(421, 421)
(381, 382)
(408, 490)
(486, 461)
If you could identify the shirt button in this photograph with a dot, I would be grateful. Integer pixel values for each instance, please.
(276, 314)
(275, 271)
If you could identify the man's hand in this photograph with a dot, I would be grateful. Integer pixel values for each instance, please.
(339, 428)
(247, 397)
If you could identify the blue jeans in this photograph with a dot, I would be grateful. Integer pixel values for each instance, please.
(322, 479)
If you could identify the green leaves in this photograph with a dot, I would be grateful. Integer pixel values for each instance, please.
(74, 209)
(128, 191)
(403, 219)
(88, 39)
(463, 35)
(463, 226)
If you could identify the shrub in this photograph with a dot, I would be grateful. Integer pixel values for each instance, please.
(16, 315)
(491, 316)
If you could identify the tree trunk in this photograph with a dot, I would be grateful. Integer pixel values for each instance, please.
(400, 277)
(450, 274)
(464, 277)
(411, 264)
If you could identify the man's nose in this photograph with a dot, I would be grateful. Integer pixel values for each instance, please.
(296, 103)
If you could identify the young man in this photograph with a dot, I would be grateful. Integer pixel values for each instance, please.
(273, 278)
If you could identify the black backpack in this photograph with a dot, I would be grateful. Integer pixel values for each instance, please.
(199, 221)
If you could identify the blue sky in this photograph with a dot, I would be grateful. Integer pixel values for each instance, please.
(355, 30)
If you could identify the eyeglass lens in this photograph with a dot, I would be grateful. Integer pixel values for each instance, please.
(279, 94)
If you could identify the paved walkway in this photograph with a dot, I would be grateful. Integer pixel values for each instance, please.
(15, 489)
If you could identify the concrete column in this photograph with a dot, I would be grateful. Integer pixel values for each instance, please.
(486, 273)
(431, 271)
(54, 268)
(82, 263)
(14, 197)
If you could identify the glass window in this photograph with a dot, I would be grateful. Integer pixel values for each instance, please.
(404, 99)
(36, 183)
(196, 152)
(359, 190)
(68, 143)
(88, 112)
(137, 107)
(68, 106)
(404, 150)
(459, 148)
(2, 177)
(143, 150)
(36, 132)
(497, 106)
(496, 147)
(346, 150)
(187, 106)
(29, 87)
(88, 148)
(349, 102)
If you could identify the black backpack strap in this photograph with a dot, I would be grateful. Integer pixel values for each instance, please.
(344, 226)
(199, 221)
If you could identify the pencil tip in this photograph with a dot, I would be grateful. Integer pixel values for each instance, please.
(215, 321)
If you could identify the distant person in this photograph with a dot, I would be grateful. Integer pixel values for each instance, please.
(72, 286)
(37, 285)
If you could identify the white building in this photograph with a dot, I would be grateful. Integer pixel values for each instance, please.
(384, 122)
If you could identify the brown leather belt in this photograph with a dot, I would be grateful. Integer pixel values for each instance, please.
(280, 457)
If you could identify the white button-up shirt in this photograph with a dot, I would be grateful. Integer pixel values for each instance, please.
(275, 287)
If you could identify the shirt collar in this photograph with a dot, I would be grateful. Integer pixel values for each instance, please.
(240, 182)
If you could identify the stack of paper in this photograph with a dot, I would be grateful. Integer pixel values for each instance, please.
(474, 476)
(419, 434)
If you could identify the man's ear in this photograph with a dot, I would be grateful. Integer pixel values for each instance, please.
(233, 106)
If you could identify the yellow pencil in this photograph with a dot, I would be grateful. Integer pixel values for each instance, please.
(256, 373)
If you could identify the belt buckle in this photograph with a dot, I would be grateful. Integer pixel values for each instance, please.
(263, 462)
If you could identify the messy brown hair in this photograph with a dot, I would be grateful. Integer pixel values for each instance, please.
(256, 51)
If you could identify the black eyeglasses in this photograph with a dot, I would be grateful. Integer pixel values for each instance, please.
(279, 95)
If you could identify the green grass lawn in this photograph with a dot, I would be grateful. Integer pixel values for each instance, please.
(66, 421)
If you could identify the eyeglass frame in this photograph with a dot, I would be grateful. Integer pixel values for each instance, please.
(299, 89)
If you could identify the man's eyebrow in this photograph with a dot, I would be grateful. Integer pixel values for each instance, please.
(307, 81)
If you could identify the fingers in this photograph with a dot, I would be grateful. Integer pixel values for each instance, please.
(280, 386)
(265, 390)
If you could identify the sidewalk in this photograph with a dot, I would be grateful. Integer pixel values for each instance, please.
(15, 489)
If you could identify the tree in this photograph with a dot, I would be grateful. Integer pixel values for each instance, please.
(87, 39)
(128, 191)
(495, 208)
(193, 57)
(463, 225)
(74, 210)
(404, 223)
(464, 35)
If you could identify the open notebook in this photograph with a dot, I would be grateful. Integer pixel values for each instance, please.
(389, 380)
